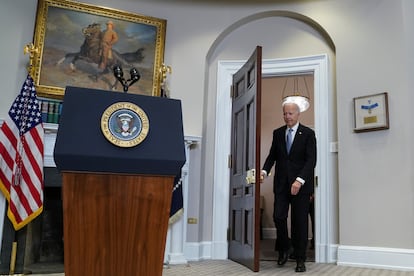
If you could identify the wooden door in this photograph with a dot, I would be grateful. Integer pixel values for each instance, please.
(244, 242)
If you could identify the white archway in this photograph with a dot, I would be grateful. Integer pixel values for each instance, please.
(325, 205)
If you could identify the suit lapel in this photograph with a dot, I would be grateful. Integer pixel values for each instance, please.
(298, 137)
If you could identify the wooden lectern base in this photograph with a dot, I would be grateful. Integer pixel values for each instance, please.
(115, 224)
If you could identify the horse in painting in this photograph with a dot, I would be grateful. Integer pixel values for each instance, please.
(88, 58)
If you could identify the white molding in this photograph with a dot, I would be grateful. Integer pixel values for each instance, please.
(325, 210)
(269, 233)
(192, 251)
(197, 251)
(376, 257)
(177, 232)
(219, 250)
(221, 151)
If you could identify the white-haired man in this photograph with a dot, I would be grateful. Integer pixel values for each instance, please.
(293, 152)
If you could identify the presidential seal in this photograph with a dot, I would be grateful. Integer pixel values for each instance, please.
(124, 124)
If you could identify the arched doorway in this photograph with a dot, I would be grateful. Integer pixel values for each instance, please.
(323, 206)
(322, 66)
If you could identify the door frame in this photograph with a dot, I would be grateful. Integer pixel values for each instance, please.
(326, 200)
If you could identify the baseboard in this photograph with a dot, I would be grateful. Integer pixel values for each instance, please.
(175, 259)
(357, 256)
(197, 251)
(269, 233)
(376, 257)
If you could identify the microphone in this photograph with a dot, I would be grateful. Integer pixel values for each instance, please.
(119, 75)
(135, 76)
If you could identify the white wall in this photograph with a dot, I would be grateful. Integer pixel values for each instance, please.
(376, 167)
(374, 41)
(17, 24)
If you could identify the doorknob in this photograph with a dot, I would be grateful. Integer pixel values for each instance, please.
(251, 176)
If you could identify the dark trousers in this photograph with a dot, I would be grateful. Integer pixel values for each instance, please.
(312, 217)
(299, 223)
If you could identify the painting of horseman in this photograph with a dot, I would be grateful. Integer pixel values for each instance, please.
(97, 51)
(81, 49)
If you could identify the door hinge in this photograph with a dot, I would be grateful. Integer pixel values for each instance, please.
(231, 91)
(230, 161)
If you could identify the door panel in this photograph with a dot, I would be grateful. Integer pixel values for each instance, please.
(245, 151)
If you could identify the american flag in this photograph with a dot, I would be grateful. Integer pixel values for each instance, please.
(21, 157)
(177, 200)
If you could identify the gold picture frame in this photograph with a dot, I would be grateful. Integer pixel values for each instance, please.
(371, 112)
(70, 48)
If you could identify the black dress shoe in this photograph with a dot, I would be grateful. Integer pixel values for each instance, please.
(283, 257)
(300, 266)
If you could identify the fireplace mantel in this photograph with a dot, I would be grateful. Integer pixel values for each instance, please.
(49, 144)
(177, 231)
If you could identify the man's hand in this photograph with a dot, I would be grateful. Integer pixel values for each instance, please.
(294, 190)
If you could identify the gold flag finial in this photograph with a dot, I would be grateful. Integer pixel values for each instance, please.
(164, 70)
(31, 50)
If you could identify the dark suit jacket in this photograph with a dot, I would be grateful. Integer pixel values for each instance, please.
(300, 162)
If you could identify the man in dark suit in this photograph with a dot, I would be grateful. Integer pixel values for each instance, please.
(293, 183)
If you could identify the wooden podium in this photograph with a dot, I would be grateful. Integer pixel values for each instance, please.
(116, 201)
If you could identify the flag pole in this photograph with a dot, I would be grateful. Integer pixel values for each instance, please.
(13, 256)
(31, 50)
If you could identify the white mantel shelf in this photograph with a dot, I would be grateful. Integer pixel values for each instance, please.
(49, 144)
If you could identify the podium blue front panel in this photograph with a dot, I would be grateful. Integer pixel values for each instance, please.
(82, 146)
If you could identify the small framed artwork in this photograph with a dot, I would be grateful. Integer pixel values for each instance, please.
(371, 112)
(79, 44)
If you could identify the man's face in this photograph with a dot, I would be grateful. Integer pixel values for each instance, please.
(290, 114)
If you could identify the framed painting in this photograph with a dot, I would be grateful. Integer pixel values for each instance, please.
(371, 112)
(79, 45)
